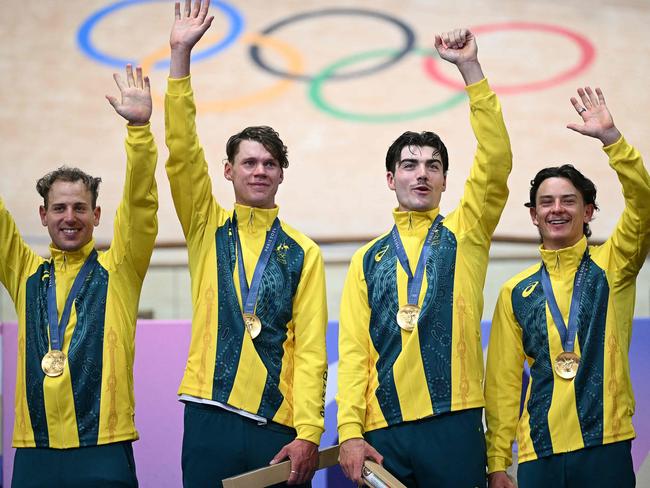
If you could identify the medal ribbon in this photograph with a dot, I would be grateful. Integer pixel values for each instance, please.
(249, 296)
(567, 334)
(414, 280)
(57, 329)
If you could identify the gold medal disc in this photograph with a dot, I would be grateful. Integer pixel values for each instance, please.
(53, 363)
(407, 317)
(566, 365)
(253, 324)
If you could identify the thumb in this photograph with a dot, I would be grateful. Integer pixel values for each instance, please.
(375, 456)
(113, 101)
(576, 127)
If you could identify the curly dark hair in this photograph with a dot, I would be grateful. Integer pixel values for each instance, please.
(583, 184)
(66, 173)
(263, 134)
(417, 139)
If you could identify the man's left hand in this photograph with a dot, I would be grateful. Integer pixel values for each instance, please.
(304, 460)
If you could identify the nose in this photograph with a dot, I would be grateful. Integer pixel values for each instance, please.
(69, 214)
(557, 205)
(421, 172)
(260, 169)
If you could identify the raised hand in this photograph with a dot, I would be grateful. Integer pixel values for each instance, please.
(135, 103)
(459, 47)
(597, 120)
(189, 25)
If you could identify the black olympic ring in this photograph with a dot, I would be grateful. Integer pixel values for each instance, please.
(409, 36)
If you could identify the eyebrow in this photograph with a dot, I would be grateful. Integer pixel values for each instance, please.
(413, 160)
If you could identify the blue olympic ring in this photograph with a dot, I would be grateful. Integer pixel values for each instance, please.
(235, 20)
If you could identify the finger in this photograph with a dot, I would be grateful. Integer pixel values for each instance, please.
(592, 97)
(177, 10)
(119, 82)
(188, 7)
(147, 85)
(113, 101)
(196, 8)
(138, 76)
(601, 97)
(579, 108)
(446, 40)
(458, 43)
(279, 456)
(129, 75)
(577, 128)
(585, 98)
(204, 10)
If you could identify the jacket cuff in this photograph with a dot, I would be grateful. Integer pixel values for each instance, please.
(497, 464)
(179, 86)
(309, 433)
(478, 90)
(350, 431)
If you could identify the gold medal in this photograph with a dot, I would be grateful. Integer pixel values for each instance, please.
(407, 317)
(53, 363)
(253, 324)
(566, 365)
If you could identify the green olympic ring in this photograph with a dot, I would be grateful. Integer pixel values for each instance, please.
(315, 92)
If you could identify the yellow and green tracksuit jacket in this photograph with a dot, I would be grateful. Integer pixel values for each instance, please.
(92, 402)
(281, 374)
(387, 375)
(596, 407)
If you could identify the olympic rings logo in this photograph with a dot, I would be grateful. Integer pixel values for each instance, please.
(293, 71)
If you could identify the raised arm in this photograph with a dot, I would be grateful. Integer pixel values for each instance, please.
(186, 167)
(136, 223)
(486, 189)
(189, 26)
(630, 241)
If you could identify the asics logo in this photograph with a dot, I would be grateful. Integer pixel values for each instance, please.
(381, 253)
(529, 289)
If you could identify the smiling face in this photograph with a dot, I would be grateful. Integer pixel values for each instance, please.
(255, 175)
(69, 217)
(419, 179)
(560, 213)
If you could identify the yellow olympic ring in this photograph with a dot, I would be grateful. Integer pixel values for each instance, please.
(294, 65)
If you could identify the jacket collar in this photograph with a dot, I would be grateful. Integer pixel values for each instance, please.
(414, 222)
(565, 260)
(253, 219)
(63, 259)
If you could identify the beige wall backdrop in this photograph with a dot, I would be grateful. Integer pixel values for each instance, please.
(54, 111)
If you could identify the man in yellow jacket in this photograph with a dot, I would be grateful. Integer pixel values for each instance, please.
(411, 365)
(74, 413)
(570, 318)
(254, 384)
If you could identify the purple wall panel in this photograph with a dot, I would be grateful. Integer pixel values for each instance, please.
(161, 350)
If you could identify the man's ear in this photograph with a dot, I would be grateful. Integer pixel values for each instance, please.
(42, 211)
(227, 171)
(533, 216)
(97, 212)
(589, 213)
(390, 179)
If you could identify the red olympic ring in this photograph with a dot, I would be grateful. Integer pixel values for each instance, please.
(587, 54)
